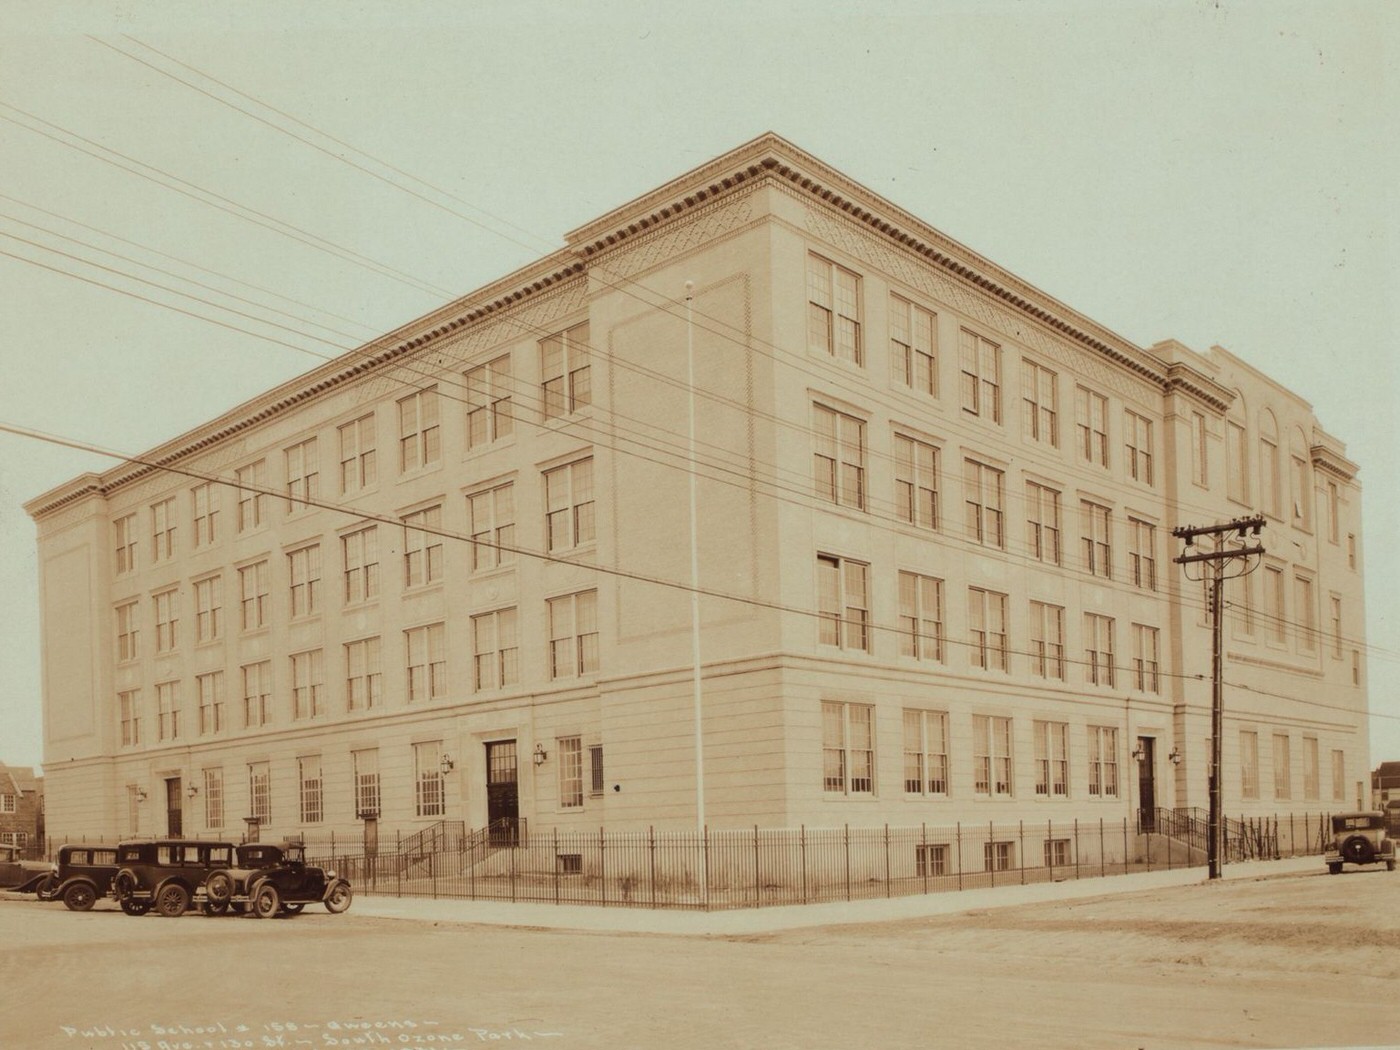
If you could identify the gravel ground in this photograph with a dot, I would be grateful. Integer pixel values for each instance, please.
(1294, 961)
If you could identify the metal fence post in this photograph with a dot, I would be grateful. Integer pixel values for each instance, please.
(1050, 849)
(802, 841)
(602, 867)
(848, 860)
(556, 864)
(960, 856)
(756, 880)
(651, 851)
(1021, 849)
(705, 845)
(923, 847)
(887, 860)
(991, 837)
(1076, 849)
(1103, 856)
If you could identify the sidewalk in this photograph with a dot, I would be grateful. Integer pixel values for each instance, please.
(619, 919)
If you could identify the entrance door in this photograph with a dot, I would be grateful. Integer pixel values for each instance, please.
(1147, 784)
(502, 792)
(174, 816)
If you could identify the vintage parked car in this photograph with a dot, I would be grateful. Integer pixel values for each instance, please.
(165, 874)
(80, 875)
(1360, 838)
(20, 876)
(270, 879)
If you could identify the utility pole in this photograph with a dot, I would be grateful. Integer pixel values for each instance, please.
(1216, 561)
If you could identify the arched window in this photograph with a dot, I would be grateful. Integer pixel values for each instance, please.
(1303, 498)
(1237, 452)
(1270, 476)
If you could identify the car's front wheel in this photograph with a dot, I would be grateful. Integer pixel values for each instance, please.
(266, 901)
(339, 898)
(79, 897)
(172, 900)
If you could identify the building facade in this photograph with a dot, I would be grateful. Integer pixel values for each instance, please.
(448, 576)
(21, 807)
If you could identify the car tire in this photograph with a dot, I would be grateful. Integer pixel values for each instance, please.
(79, 897)
(1358, 850)
(46, 889)
(211, 907)
(219, 887)
(265, 901)
(1390, 865)
(338, 899)
(1334, 869)
(135, 907)
(293, 909)
(124, 884)
(172, 900)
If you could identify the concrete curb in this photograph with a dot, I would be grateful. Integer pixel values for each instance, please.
(619, 919)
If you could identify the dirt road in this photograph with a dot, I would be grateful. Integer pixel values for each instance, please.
(1284, 962)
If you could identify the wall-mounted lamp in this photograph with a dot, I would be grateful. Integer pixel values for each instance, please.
(193, 791)
(1138, 754)
(540, 754)
(140, 794)
(446, 763)
(1175, 756)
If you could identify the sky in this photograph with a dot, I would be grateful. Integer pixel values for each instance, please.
(1218, 173)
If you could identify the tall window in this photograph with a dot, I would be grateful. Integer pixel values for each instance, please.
(214, 798)
(983, 492)
(1303, 494)
(427, 779)
(359, 462)
(595, 769)
(360, 551)
(1040, 412)
(1237, 462)
(363, 679)
(981, 375)
(252, 483)
(838, 457)
(987, 628)
(257, 694)
(1249, 764)
(495, 649)
(1306, 613)
(1137, 446)
(492, 524)
(565, 371)
(1097, 524)
(920, 616)
(1091, 424)
(260, 792)
(1043, 522)
(210, 688)
(129, 709)
(1098, 649)
(916, 482)
(304, 570)
(1142, 553)
(308, 685)
(1351, 550)
(422, 547)
(365, 765)
(833, 310)
(573, 635)
(848, 748)
(168, 711)
(1333, 515)
(925, 752)
(1052, 759)
(568, 494)
(124, 531)
(204, 501)
(163, 520)
(570, 750)
(1242, 603)
(1200, 460)
(1275, 611)
(1283, 769)
(1047, 640)
(309, 778)
(303, 475)
(1103, 762)
(1336, 608)
(843, 603)
(489, 389)
(1339, 776)
(1147, 658)
(420, 440)
(128, 631)
(991, 756)
(426, 649)
(252, 585)
(1270, 479)
(913, 346)
(167, 609)
(208, 609)
(1311, 787)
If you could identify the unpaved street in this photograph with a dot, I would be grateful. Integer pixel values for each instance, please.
(1293, 961)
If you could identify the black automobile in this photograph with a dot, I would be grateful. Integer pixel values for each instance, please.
(269, 880)
(80, 875)
(165, 874)
(20, 876)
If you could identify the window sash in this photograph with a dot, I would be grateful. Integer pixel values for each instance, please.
(359, 468)
(570, 750)
(916, 482)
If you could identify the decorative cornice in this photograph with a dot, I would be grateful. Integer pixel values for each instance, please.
(1187, 380)
(1330, 461)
